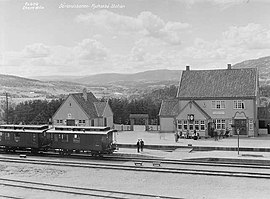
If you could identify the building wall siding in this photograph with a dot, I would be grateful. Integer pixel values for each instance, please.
(70, 109)
(109, 116)
(167, 124)
(226, 114)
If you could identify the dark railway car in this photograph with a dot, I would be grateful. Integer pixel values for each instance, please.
(25, 137)
(95, 140)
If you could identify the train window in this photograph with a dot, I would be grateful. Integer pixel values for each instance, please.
(17, 137)
(7, 136)
(34, 138)
(64, 138)
(76, 138)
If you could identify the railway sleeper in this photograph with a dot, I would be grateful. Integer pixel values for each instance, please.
(138, 163)
(156, 164)
(22, 156)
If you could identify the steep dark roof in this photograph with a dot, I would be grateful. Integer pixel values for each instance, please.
(218, 83)
(88, 106)
(100, 107)
(169, 108)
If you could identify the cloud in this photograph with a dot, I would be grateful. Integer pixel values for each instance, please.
(251, 36)
(90, 49)
(111, 21)
(146, 24)
(36, 50)
(222, 4)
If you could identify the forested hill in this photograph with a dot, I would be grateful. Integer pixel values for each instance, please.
(263, 65)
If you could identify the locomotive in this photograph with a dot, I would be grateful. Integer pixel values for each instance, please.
(64, 139)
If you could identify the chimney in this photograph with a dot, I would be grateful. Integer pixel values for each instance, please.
(187, 68)
(85, 94)
(229, 66)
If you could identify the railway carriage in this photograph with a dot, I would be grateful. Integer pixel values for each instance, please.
(95, 140)
(25, 137)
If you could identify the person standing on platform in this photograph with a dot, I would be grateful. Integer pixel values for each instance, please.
(216, 134)
(142, 145)
(138, 146)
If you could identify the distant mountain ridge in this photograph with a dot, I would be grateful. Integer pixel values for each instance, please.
(109, 84)
(108, 78)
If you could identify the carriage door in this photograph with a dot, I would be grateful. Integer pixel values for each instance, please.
(242, 125)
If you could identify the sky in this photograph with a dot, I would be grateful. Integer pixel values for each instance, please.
(86, 37)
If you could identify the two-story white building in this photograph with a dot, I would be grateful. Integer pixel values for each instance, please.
(217, 98)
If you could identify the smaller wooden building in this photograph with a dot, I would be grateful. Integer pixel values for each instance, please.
(83, 109)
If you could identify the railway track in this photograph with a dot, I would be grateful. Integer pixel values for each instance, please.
(76, 191)
(122, 157)
(195, 162)
(142, 168)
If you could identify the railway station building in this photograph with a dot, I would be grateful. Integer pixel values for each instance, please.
(83, 109)
(206, 99)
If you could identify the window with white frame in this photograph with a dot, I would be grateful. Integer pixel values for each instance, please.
(238, 104)
(230, 125)
(185, 124)
(223, 126)
(202, 125)
(197, 124)
(218, 104)
(220, 124)
(251, 125)
(179, 124)
(191, 127)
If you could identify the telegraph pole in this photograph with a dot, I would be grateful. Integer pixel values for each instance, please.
(6, 107)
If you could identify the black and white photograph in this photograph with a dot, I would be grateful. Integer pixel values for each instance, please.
(135, 99)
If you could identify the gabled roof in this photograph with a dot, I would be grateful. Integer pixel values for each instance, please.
(87, 105)
(169, 108)
(198, 107)
(218, 83)
(100, 107)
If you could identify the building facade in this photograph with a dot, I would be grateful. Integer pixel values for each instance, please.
(219, 99)
(83, 109)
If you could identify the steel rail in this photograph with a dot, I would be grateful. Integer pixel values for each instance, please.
(143, 168)
(78, 190)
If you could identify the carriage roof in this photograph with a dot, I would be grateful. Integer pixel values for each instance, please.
(82, 128)
(10, 128)
(57, 131)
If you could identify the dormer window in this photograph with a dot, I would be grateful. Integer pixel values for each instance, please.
(238, 104)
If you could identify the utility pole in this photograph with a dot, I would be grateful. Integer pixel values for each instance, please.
(6, 107)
